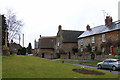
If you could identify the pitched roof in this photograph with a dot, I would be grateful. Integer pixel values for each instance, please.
(70, 35)
(47, 42)
(101, 29)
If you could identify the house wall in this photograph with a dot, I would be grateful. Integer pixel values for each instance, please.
(58, 44)
(67, 47)
(48, 53)
(112, 38)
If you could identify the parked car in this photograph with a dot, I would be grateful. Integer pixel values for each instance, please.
(113, 64)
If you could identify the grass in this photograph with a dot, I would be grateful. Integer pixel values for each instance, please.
(92, 63)
(35, 67)
(0, 67)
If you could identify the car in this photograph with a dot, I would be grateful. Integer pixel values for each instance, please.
(112, 64)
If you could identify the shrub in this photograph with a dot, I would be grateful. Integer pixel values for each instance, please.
(22, 51)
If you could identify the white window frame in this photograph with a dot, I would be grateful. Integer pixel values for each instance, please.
(58, 44)
(103, 49)
(93, 39)
(81, 41)
(103, 38)
(93, 48)
(81, 49)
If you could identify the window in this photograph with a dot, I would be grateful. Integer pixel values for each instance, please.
(58, 44)
(106, 61)
(93, 39)
(103, 49)
(103, 38)
(81, 50)
(93, 48)
(81, 42)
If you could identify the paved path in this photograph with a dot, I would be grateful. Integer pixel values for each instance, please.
(84, 65)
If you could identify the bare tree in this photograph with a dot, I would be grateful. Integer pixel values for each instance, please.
(14, 25)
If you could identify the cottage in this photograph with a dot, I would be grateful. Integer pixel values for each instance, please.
(14, 48)
(103, 39)
(66, 40)
(46, 46)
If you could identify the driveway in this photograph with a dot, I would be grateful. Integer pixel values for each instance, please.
(84, 65)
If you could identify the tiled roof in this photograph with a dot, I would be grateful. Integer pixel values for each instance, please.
(70, 35)
(47, 42)
(101, 29)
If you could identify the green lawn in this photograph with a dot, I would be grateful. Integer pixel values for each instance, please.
(35, 67)
(92, 63)
(0, 67)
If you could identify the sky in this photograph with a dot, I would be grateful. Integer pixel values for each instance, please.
(42, 17)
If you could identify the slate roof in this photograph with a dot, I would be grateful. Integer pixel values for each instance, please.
(47, 42)
(70, 36)
(101, 29)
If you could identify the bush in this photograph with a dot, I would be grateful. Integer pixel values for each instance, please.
(22, 51)
(58, 55)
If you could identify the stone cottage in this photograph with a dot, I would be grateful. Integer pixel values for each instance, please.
(46, 46)
(66, 40)
(101, 39)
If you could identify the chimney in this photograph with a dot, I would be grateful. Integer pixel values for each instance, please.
(88, 27)
(12, 41)
(59, 27)
(108, 20)
(40, 36)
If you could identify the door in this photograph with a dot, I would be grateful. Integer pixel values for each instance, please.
(105, 64)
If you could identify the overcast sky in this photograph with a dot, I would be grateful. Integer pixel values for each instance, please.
(42, 17)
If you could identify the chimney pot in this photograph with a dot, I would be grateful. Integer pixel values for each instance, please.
(108, 20)
(88, 27)
(40, 36)
(59, 27)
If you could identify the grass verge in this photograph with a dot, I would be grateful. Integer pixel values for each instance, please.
(35, 67)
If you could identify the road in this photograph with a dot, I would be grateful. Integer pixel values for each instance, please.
(85, 65)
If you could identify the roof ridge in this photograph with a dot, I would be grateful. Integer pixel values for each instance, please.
(48, 37)
(72, 30)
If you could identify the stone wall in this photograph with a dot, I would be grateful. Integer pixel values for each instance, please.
(88, 57)
(48, 53)
(67, 47)
(112, 39)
